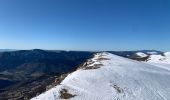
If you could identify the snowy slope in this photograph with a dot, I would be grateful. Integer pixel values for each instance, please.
(110, 77)
(141, 54)
(165, 58)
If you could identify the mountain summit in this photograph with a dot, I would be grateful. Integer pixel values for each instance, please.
(110, 77)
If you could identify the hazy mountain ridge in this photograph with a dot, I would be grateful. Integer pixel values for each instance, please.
(7, 50)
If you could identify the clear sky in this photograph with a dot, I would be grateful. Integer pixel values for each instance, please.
(85, 24)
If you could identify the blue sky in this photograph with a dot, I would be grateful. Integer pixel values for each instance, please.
(85, 24)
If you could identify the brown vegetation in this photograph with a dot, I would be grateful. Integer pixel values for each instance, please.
(95, 66)
(64, 94)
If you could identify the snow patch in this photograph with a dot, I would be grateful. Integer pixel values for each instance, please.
(141, 54)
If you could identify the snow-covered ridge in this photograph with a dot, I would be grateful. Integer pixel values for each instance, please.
(153, 57)
(110, 77)
(165, 58)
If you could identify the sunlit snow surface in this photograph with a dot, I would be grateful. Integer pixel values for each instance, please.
(141, 54)
(165, 58)
(117, 79)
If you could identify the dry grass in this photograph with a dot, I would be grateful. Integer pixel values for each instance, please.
(64, 94)
(95, 66)
(100, 59)
(91, 67)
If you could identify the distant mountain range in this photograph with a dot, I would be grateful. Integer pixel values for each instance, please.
(7, 50)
